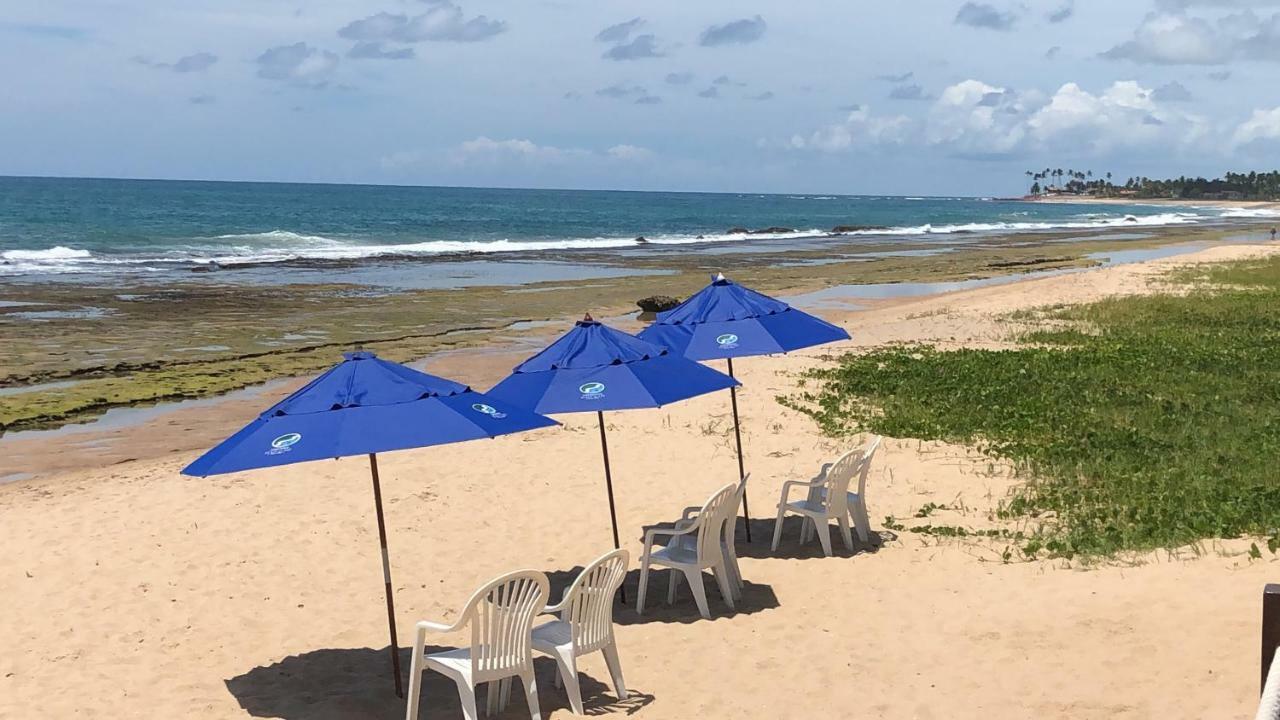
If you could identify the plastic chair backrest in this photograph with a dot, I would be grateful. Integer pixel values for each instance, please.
(717, 510)
(731, 522)
(868, 451)
(839, 475)
(588, 603)
(501, 616)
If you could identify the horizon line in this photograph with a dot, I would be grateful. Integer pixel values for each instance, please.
(327, 183)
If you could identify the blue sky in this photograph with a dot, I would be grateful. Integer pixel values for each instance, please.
(937, 96)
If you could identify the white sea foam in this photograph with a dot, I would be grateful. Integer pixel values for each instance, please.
(1177, 218)
(52, 254)
(284, 245)
(1249, 213)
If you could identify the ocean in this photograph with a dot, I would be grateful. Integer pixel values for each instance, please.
(96, 230)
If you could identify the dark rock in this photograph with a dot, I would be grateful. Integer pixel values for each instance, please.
(657, 303)
(737, 231)
(641, 240)
(771, 230)
(855, 228)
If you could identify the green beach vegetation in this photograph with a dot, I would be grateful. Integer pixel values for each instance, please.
(1253, 185)
(1139, 422)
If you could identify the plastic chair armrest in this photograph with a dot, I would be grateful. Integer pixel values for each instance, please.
(438, 627)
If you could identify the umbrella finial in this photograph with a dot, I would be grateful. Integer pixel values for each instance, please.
(586, 318)
(719, 278)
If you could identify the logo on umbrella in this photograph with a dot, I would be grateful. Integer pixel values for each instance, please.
(591, 390)
(728, 341)
(284, 443)
(489, 410)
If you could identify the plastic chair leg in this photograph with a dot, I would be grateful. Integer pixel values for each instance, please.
(777, 529)
(467, 694)
(861, 521)
(673, 584)
(493, 691)
(615, 669)
(568, 672)
(644, 586)
(699, 592)
(531, 694)
(726, 589)
(824, 537)
(844, 532)
(415, 677)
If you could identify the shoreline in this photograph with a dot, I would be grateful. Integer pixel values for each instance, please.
(124, 349)
(478, 356)
(1084, 200)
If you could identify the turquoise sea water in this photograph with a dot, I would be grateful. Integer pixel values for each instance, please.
(72, 229)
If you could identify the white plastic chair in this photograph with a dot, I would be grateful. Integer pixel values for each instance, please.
(829, 499)
(729, 547)
(858, 500)
(501, 616)
(585, 625)
(707, 554)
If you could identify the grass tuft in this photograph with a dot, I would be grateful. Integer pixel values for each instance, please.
(1142, 422)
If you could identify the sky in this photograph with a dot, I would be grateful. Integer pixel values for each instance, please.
(934, 97)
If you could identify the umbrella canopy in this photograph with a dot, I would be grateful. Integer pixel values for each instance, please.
(727, 320)
(594, 368)
(364, 406)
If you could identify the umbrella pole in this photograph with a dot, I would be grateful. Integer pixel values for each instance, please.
(386, 573)
(608, 482)
(737, 434)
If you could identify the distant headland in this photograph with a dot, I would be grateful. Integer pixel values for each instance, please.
(1072, 184)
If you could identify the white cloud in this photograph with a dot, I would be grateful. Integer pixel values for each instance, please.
(747, 30)
(442, 22)
(629, 152)
(1177, 38)
(973, 119)
(1173, 40)
(299, 64)
(198, 62)
(641, 46)
(620, 32)
(1262, 125)
(858, 130)
(982, 15)
(487, 151)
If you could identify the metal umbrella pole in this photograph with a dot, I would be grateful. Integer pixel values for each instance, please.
(608, 482)
(386, 574)
(737, 434)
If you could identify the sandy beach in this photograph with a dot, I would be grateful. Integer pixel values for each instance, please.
(135, 592)
(1091, 200)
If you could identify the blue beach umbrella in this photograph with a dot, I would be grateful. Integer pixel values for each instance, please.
(364, 406)
(725, 320)
(594, 368)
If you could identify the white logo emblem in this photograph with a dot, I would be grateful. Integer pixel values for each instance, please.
(284, 443)
(728, 341)
(591, 390)
(489, 410)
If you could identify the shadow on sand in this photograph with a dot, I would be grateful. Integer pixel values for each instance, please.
(755, 598)
(789, 547)
(356, 684)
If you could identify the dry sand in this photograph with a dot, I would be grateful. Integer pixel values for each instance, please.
(132, 592)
